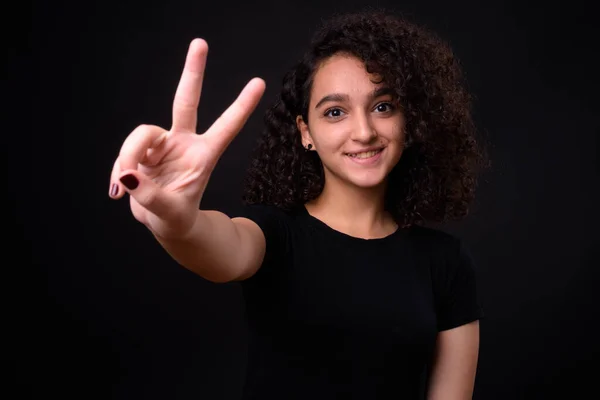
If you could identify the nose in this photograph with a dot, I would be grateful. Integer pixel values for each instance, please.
(363, 130)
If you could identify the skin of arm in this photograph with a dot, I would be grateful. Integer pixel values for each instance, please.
(218, 248)
(452, 375)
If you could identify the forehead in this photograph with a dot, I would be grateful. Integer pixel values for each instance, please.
(343, 73)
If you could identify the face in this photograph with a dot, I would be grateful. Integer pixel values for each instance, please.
(354, 124)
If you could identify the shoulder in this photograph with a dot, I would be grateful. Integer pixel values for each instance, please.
(275, 222)
(453, 276)
(265, 212)
(277, 226)
(434, 241)
(428, 233)
(447, 255)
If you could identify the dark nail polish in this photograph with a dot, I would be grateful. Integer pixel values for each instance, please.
(114, 190)
(130, 181)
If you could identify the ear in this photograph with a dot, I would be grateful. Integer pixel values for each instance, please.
(304, 133)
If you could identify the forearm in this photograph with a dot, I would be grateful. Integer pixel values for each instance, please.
(209, 249)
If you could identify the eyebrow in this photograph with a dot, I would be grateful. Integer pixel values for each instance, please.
(344, 97)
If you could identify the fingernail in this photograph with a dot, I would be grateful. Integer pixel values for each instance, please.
(114, 189)
(129, 181)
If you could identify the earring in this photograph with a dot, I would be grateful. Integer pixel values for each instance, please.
(309, 146)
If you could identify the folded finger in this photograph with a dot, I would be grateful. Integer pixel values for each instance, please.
(133, 151)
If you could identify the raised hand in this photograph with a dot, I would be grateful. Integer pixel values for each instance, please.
(166, 172)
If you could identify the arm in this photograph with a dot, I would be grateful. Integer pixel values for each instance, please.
(452, 375)
(218, 248)
(166, 173)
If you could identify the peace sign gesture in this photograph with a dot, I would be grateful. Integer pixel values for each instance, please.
(166, 172)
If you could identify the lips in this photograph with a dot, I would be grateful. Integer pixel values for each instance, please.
(365, 153)
(369, 158)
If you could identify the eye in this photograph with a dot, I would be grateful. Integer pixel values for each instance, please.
(333, 112)
(384, 107)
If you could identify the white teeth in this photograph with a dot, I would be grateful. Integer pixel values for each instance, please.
(366, 154)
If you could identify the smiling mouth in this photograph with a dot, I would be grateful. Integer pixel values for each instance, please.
(364, 155)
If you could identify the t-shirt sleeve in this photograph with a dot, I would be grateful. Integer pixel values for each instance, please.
(275, 226)
(457, 301)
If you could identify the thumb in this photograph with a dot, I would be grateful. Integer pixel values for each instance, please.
(147, 193)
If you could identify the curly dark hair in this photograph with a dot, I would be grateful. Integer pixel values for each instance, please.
(435, 179)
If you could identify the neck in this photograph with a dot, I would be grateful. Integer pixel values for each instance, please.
(353, 210)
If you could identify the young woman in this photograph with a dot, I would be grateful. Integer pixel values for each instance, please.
(348, 295)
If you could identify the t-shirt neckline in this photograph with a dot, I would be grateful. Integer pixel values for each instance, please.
(316, 221)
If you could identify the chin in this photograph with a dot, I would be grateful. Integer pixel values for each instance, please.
(367, 182)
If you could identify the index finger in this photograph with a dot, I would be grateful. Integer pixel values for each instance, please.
(187, 96)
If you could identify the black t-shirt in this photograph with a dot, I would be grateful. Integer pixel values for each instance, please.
(333, 316)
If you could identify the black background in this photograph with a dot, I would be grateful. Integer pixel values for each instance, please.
(102, 311)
